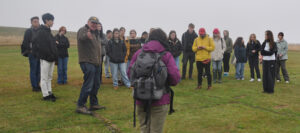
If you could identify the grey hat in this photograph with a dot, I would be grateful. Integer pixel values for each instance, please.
(94, 20)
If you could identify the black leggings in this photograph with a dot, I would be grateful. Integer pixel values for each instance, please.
(226, 59)
(200, 67)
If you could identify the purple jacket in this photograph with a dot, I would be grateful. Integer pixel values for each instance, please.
(173, 72)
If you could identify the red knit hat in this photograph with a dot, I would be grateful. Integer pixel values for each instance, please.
(216, 31)
(202, 31)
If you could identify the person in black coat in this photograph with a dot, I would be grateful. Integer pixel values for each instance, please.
(116, 51)
(45, 49)
(26, 49)
(175, 47)
(253, 48)
(62, 44)
(241, 58)
(188, 55)
(269, 51)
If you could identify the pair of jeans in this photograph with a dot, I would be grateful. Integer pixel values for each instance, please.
(177, 62)
(269, 76)
(239, 72)
(115, 69)
(106, 66)
(35, 71)
(281, 64)
(62, 69)
(188, 57)
(226, 59)
(217, 70)
(200, 67)
(90, 85)
(46, 77)
(253, 64)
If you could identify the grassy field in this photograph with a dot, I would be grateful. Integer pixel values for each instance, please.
(231, 107)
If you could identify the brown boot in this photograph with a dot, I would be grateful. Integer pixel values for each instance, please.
(198, 88)
(116, 88)
(96, 107)
(209, 88)
(83, 110)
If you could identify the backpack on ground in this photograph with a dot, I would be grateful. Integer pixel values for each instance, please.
(148, 76)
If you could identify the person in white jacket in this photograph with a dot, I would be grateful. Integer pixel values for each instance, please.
(217, 56)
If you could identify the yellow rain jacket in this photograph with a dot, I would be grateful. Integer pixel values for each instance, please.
(203, 54)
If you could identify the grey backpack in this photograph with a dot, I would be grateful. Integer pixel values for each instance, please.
(148, 76)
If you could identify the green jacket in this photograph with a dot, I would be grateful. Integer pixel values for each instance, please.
(282, 49)
(229, 44)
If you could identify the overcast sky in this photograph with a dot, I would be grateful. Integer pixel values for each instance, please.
(240, 17)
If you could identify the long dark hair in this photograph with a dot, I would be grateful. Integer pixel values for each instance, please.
(239, 43)
(115, 30)
(171, 32)
(270, 38)
(101, 31)
(159, 35)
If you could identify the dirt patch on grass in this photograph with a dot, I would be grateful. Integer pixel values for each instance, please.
(280, 106)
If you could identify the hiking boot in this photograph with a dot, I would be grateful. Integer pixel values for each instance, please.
(198, 87)
(83, 110)
(116, 87)
(53, 98)
(97, 107)
(36, 89)
(209, 88)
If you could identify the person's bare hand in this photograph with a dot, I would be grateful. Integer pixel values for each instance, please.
(57, 42)
(89, 35)
(253, 51)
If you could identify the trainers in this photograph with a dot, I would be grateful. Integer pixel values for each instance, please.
(209, 88)
(198, 87)
(48, 98)
(96, 107)
(287, 82)
(251, 80)
(116, 87)
(259, 80)
(83, 110)
(53, 98)
(243, 79)
(278, 80)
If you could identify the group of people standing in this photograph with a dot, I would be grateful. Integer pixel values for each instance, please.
(118, 53)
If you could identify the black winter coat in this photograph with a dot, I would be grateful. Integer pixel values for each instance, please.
(27, 44)
(253, 46)
(175, 47)
(268, 53)
(188, 41)
(44, 45)
(116, 51)
(62, 46)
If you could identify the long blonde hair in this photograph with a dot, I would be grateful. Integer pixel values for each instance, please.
(250, 38)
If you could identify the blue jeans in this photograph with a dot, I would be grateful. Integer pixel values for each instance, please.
(239, 72)
(90, 85)
(106, 66)
(217, 65)
(177, 62)
(35, 71)
(62, 69)
(120, 67)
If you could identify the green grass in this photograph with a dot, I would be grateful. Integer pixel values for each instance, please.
(230, 107)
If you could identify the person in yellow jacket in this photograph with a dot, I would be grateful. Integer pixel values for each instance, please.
(203, 46)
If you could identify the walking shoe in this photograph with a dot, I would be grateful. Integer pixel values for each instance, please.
(278, 80)
(83, 110)
(251, 80)
(198, 87)
(209, 88)
(53, 98)
(48, 98)
(259, 80)
(287, 82)
(96, 107)
(243, 79)
(116, 87)
(36, 89)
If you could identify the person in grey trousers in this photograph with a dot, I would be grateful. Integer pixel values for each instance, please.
(282, 57)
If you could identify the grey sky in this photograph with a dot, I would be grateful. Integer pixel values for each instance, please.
(240, 17)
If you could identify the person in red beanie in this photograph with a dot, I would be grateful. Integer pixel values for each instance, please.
(203, 46)
(217, 55)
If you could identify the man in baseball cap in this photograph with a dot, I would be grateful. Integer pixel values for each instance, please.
(94, 20)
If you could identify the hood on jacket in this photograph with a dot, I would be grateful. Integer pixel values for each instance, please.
(227, 33)
(153, 46)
